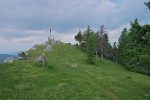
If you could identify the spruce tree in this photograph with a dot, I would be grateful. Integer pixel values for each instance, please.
(79, 37)
(134, 48)
(147, 4)
(121, 46)
(114, 52)
(89, 38)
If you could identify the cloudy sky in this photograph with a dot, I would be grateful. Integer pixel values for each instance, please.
(24, 23)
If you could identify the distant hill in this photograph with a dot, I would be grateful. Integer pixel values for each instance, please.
(4, 56)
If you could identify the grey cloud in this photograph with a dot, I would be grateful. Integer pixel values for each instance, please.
(64, 15)
(25, 18)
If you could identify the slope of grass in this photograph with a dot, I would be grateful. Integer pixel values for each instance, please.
(60, 81)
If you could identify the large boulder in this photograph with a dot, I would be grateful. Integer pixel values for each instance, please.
(41, 59)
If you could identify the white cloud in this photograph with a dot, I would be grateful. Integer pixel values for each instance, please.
(35, 37)
(115, 33)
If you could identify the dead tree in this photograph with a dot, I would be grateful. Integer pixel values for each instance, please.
(100, 41)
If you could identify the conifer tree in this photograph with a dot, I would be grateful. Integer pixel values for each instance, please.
(122, 45)
(79, 37)
(103, 47)
(89, 38)
(114, 52)
(134, 48)
(147, 4)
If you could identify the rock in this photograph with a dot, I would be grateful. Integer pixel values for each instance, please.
(60, 85)
(41, 59)
(48, 48)
(73, 65)
(9, 60)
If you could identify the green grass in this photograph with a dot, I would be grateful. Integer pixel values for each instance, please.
(59, 81)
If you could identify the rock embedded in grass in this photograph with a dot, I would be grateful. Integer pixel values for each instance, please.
(73, 65)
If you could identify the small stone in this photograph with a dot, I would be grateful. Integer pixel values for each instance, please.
(74, 65)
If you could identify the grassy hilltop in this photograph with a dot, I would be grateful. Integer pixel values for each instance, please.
(69, 77)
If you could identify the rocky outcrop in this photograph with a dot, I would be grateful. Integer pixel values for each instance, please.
(9, 60)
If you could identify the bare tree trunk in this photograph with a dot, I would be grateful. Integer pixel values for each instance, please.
(102, 56)
(96, 54)
(116, 61)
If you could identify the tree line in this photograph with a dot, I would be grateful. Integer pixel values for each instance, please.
(94, 43)
(132, 51)
(134, 48)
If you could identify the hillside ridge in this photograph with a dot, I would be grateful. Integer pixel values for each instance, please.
(60, 80)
